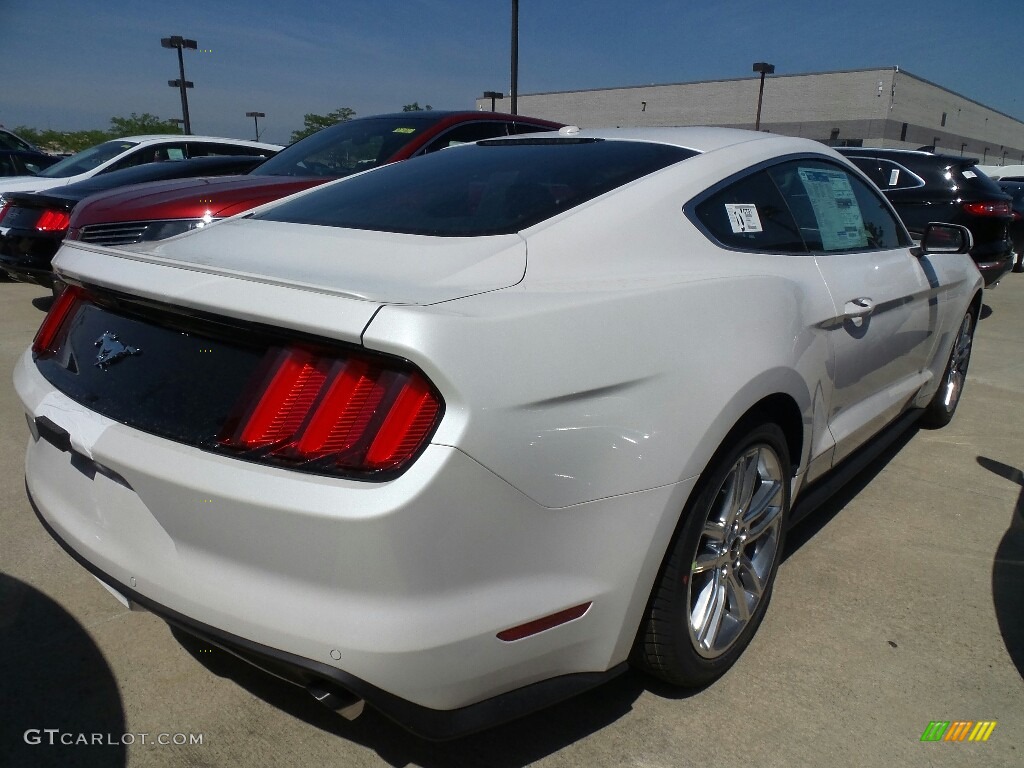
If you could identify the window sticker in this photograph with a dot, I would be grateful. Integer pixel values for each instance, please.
(894, 176)
(743, 217)
(835, 207)
(404, 130)
(175, 154)
(970, 175)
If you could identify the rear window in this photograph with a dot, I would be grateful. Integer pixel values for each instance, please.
(87, 159)
(495, 187)
(970, 177)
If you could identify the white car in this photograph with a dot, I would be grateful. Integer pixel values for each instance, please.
(131, 151)
(462, 436)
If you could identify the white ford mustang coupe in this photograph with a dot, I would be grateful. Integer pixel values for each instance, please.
(462, 436)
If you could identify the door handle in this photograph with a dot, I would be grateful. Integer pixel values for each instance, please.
(858, 308)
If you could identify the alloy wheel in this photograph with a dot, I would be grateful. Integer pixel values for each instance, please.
(736, 551)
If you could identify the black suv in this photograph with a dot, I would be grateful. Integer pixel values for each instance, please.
(925, 187)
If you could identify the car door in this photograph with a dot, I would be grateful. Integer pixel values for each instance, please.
(886, 316)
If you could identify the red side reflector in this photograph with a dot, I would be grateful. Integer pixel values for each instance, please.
(53, 221)
(989, 208)
(61, 308)
(539, 625)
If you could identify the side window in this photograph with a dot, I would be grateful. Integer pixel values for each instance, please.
(516, 128)
(463, 134)
(154, 153)
(207, 149)
(886, 174)
(835, 210)
(750, 215)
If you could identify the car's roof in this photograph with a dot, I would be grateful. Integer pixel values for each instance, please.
(700, 138)
(906, 153)
(182, 137)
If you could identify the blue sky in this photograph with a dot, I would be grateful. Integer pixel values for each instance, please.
(69, 64)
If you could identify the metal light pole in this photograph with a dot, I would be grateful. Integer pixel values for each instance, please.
(256, 121)
(514, 91)
(492, 95)
(765, 69)
(179, 42)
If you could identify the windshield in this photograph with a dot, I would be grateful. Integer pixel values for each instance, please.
(10, 141)
(495, 187)
(344, 148)
(87, 159)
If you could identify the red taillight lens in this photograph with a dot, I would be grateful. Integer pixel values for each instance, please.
(60, 310)
(53, 221)
(3, 210)
(989, 208)
(336, 413)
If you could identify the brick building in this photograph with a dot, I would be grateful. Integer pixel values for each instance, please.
(864, 107)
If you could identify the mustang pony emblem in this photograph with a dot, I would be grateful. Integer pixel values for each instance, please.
(112, 350)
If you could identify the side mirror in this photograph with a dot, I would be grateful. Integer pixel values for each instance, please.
(946, 238)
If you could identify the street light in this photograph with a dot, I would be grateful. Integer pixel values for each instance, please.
(256, 121)
(492, 95)
(179, 42)
(765, 69)
(514, 90)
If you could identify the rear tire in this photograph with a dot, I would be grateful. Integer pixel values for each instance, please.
(717, 579)
(941, 409)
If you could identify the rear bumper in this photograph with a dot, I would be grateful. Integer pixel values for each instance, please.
(992, 271)
(394, 591)
(423, 721)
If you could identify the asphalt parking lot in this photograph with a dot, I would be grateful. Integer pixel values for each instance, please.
(900, 602)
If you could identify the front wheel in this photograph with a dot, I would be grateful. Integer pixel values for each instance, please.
(940, 410)
(717, 579)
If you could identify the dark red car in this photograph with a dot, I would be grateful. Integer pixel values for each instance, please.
(159, 210)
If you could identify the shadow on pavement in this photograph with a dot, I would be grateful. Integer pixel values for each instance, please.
(1008, 569)
(820, 516)
(986, 312)
(53, 676)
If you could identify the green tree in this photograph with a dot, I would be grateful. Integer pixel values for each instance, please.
(141, 125)
(62, 141)
(415, 107)
(313, 122)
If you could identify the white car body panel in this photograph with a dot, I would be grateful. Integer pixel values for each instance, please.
(589, 372)
(40, 183)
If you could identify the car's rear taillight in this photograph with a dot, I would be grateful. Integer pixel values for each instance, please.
(989, 208)
(53, 220)
(60, 310)
(3, 210)
(321, 410)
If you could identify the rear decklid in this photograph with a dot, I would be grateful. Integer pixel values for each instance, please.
(320, 280)
(187, 198)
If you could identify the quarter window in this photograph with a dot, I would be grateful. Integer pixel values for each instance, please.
(751, 215)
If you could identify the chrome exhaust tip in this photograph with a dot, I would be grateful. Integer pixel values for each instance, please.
(345, 703)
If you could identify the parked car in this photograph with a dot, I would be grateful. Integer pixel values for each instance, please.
(340, 150)
(19, 157)
(1003, 172)
(1015, 189)
(33, 224)
(128, 152)
(13, 163)
(461, 436)
(926, 187)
